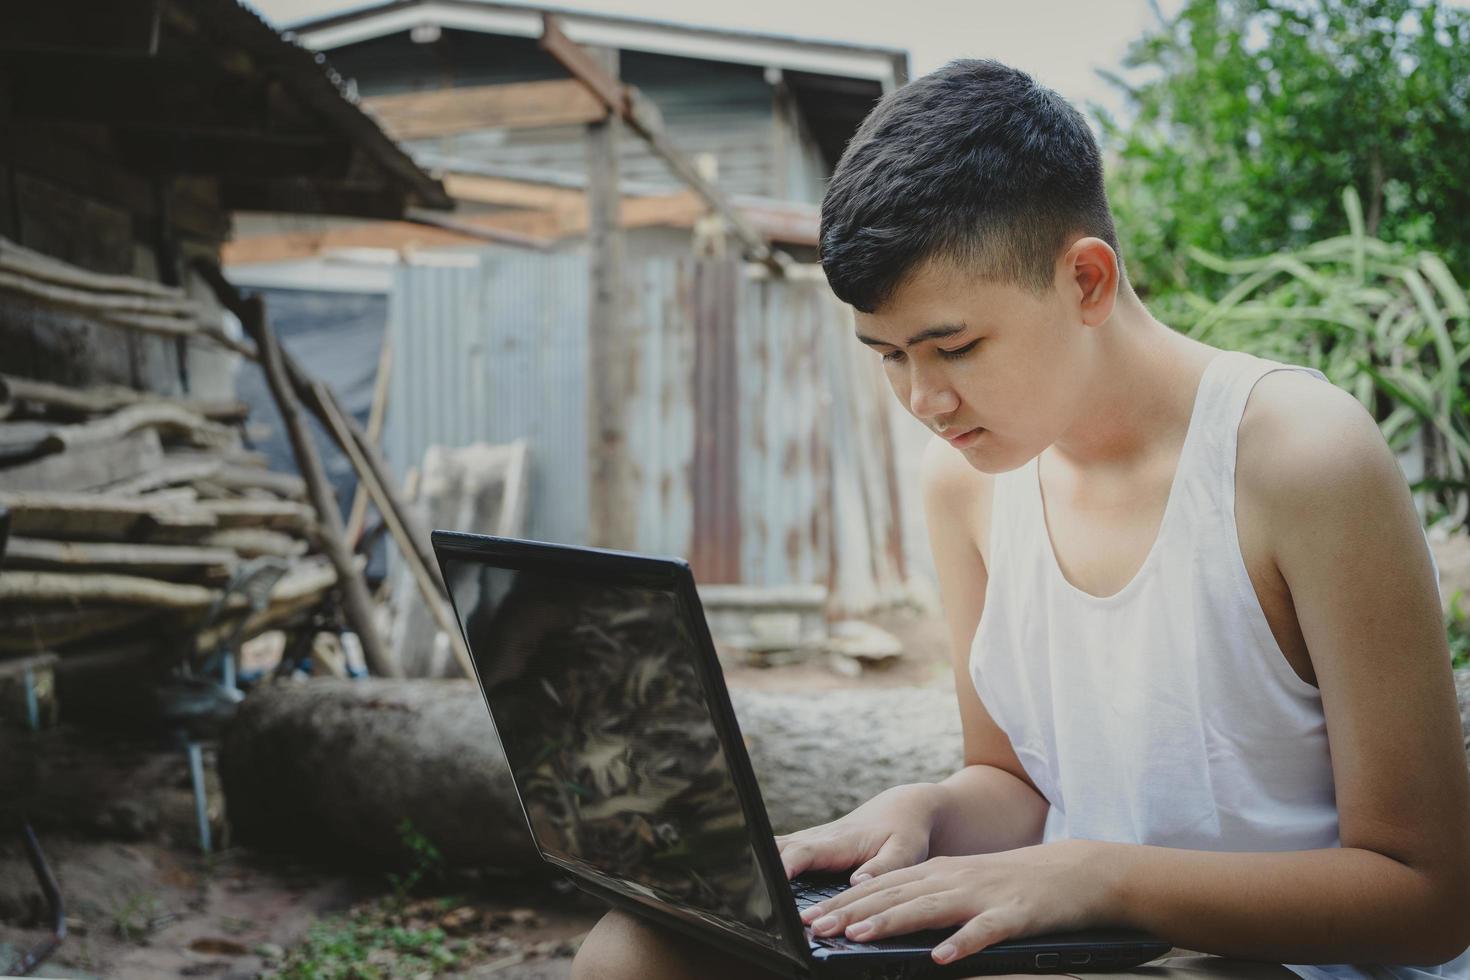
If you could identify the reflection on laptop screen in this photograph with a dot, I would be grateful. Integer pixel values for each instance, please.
(593, 690)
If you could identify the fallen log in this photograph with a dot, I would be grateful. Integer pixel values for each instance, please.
(333, 767)
(338, 765)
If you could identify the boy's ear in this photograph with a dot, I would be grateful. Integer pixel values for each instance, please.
(1091, 269)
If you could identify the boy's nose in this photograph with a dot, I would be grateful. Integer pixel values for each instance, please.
(929, 400)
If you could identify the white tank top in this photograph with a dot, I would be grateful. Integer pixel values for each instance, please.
(1166, 713)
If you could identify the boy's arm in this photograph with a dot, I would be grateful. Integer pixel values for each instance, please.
(990, 804)
(1349, 545)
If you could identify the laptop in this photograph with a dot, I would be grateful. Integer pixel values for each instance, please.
(605, 691)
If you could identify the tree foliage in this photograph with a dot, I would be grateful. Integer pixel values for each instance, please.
(1253, 115)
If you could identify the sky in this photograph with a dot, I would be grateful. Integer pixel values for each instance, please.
(1061, 43)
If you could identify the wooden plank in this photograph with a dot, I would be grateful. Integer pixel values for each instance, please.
(643, 118)
(151, 560)
(279, 515)
(90, 515)
(518, 105)
(428, 587)
(166, 474)
(513, 193)
(255, 542)
(70, 588)
(88, 467)
(357, 516)
(109, 398)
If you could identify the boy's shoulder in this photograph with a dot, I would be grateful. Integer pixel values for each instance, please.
(1301, 439)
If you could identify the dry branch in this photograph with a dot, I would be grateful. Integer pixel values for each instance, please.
(161, 561)
(25, 629)
(170, 419)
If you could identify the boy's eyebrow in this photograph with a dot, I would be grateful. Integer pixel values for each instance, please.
(931, 333)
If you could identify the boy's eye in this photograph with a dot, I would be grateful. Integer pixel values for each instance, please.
(893, 356)
(958, 352)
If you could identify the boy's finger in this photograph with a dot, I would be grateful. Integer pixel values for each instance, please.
(896, 852)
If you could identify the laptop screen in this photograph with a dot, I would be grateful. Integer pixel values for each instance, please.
(594, 693)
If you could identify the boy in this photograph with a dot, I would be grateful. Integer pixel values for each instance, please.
(1196, 635)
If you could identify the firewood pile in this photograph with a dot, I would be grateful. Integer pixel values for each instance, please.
(131, 511)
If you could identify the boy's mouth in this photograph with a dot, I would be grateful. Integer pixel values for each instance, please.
(962, 439)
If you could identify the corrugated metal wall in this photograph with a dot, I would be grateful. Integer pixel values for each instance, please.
(762, 438)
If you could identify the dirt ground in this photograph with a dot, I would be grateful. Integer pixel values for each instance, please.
(144, 910)
(152, 906)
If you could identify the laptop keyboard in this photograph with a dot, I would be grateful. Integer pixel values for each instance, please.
(810, 891)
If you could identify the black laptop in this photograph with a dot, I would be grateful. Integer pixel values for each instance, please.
(604, 688)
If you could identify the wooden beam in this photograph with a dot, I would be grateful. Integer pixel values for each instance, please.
(613, 342)
(390, 509)
(513, 193)
(520, 105)
(109, 398)
(643, 118)
(356, 602)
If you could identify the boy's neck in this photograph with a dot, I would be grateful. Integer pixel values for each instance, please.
(1139, 398)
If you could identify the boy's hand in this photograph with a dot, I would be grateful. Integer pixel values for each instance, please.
(888, 832)
(1025, 892)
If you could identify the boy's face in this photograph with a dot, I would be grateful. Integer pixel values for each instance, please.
(992, 367)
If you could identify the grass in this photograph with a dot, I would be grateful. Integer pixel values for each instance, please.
(1457, 625)
(371, 943)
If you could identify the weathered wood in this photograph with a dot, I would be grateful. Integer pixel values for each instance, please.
(254, 542)
(300, 590)
(110, 518)
(19, 586)
(234, 456)
(390, 508)
(275, 514)
(519, 105)
(171, 419)
(234, 477)
(21, 442)
(643, 117)
(166, 474)
(26, 629)
(612, 345)
(356, 602)
(358, 515)
(109, 398)
(152, 560)
(19, 259)
(88, 467)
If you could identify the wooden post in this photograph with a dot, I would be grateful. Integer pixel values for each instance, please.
(357, 517)
(612, 361)
(427, 584)
(355, 600)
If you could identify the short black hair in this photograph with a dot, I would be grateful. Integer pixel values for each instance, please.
(975, 163)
